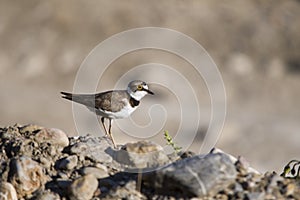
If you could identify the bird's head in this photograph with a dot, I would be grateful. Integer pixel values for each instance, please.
(138, 89)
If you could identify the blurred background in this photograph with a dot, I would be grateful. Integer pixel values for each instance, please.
(255, 44)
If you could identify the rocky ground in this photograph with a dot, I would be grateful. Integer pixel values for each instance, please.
(45, 164)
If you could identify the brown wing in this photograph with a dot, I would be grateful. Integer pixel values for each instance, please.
(111, 101)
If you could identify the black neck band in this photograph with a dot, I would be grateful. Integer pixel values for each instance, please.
(133, 102)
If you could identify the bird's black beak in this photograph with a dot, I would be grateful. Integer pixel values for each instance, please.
(148, 91)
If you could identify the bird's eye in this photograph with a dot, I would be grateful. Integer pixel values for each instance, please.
(139, 87)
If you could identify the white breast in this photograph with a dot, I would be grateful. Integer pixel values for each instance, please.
(123, 113)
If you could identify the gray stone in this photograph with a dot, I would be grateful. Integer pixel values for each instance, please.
(239, 161)
(83, 188)
(26, 175)
(63, 175)
(108, 183)
(47, 163)
(7, 191)
(68, 163)
(97, 172)
(93, 148)
(100, 166)
(30, 128)
(129, 191)
(142, 154)
(46, 195)
(255, 196)
(63, 183)
(195, 176)
(53, 136)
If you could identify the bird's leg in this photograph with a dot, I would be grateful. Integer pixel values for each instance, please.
(102, 121)
(109, 131)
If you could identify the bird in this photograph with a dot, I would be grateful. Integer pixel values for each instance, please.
(113, 104)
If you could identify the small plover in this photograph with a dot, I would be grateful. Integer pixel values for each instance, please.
(114, 104)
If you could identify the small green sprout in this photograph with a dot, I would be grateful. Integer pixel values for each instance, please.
(170, 142)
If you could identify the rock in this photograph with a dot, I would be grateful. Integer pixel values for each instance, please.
(29, 129)
(142, 147)
(7, 191)
(97, 172)
(83, 188)
(241, 162)
(102, 167)
(107, 184)
(187, 154)
(26, 175)
(255, 196)
(46, 195)
(63, 175)
(10, 132)
(290, 189)
(62, 183)
(36, 168)
(128, 191)
(93, 148)
(196, 176)
(45, 162)
(142, 154)
(26, 148)
(53, 136)
(68, 163)
(274, 180)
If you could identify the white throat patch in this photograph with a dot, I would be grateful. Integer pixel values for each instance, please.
(137, 95)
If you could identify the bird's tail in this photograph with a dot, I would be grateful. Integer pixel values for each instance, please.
(67, 95)
(85, 99)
